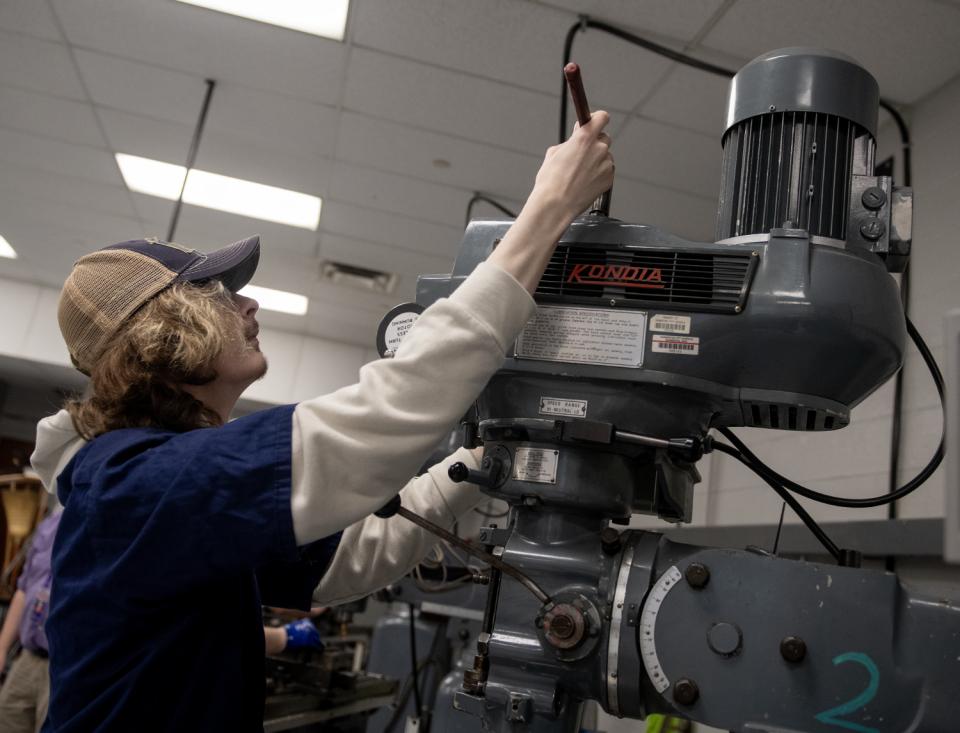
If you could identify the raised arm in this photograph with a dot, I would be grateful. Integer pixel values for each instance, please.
(353, 449)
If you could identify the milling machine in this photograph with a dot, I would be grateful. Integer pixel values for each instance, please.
(642, 343)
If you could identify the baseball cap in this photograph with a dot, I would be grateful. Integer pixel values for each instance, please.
(108, 286)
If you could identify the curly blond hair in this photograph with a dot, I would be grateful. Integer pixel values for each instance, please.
(172, 341)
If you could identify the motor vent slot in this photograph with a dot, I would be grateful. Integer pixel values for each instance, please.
(792, 417)
(695, 280)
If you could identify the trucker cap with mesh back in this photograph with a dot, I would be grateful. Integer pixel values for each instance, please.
(110, 285)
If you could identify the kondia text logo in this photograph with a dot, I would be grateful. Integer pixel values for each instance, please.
(625, 275)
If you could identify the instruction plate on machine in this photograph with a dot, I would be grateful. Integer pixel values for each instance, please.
(536, 464)
(584, 336)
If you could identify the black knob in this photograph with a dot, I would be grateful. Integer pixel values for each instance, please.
(872, 228)
(793, 649)
(388, 509)
(874, 197)
(458, 472)
(610, 542)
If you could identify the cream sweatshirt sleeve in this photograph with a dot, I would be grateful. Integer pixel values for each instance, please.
(375, 552)
(354, 449)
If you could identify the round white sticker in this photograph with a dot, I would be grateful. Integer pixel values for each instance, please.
(397, 328)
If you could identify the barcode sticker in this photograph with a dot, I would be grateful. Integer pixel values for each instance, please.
(668, 344)
(670, 324)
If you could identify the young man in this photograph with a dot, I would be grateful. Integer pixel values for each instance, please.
(178, 524)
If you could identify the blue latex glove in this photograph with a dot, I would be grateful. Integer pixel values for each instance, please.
(303, 633)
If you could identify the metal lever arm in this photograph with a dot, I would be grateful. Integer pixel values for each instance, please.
(486, 476)
(600, 207)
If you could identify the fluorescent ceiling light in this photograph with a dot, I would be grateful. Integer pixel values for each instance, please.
(277, 300)
(218, 192)
(6, 250)
(327, 18)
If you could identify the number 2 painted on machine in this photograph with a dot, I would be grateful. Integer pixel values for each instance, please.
(830, 716)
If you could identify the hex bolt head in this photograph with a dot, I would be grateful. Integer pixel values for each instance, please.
(686, 691)
(793, 649)
(697, 575)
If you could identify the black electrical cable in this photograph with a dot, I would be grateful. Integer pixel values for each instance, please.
(403, 696)
(413, 661)
(587, 22)
(745, 459)
(483, 197)
(895, 437)
(769, 474)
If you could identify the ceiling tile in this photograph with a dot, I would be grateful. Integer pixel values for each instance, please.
(29, 17)
(144, 89)
(305, 172)
(412, 152)
(112, 227)
(691, 217)
(678, 19)
(48, 116)
(146, 137)
(616, 74)
(218, 153)
(208, 44)
(207, 230)
(273, 121)
(518, 43)
(334, 248)
(449, 102)
(41, 66)
(378, 226)
(911, 48)
(54, 189)
(74, 161)
(669, 157)
(287, 269)
(397, 194)
(690, 99)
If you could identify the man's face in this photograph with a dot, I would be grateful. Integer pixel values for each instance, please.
(250, 365)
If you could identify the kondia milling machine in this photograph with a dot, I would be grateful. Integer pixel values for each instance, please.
(642, 343)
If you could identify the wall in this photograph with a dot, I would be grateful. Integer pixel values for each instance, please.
(301, 366)
(855, 461)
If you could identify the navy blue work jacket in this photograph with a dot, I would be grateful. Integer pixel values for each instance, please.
(167, 547)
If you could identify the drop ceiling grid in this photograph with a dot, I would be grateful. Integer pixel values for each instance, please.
(469, 83)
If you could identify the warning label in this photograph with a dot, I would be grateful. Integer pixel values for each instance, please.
(536, 464)
(585, 336)
(568, 408)
(689, 345)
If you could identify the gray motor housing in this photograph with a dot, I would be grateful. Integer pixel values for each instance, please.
(814, 329)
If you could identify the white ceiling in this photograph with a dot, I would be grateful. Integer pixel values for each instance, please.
(360, 123)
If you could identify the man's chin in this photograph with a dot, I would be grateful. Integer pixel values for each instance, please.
(263, 369)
